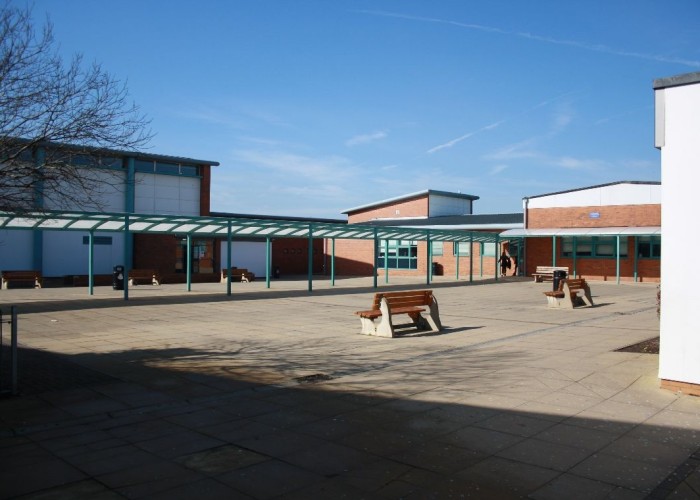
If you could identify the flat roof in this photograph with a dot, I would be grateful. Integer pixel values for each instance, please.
(650, 183)
(471, 220)
(412, 195)
(677, 80)
(583, 231)
(223, 226)
(141, 155)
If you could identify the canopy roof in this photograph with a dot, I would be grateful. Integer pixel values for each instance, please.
(583, 231)
(219, 227)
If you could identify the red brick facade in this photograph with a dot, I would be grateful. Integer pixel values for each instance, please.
(415, 207)
(356, 257)
(539, 250)
(607, 216)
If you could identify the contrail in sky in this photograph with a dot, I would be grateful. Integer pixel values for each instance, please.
(572, 43)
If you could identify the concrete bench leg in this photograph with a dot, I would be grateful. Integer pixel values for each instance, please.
(434, 318)
(368, 327)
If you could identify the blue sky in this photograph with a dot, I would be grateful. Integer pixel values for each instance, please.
(316, 106)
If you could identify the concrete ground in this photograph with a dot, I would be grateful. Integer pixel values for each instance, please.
(272, 393)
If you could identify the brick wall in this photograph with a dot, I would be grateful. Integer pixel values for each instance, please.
(415, 207)
(610, 216)
(205, 190)
(539, 253)
(355, 258)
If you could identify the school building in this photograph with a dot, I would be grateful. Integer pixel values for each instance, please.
(429, 209)
(605, 232)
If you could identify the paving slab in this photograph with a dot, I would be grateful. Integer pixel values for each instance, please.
(273, 393)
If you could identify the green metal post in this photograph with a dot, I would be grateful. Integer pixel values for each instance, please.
(471, 256)
(386, 261)
(37, 234)
(333, 262)
(91, 263)
(636, 257)
(456, 245)
(429, 257)
(268, 261)
(127, 256)
(554, 250)
(374, 263)
(311, 256)
(617, 259)
(229, 263)
(496, 257)
(189, 262)
(481, 259)
(575, 252)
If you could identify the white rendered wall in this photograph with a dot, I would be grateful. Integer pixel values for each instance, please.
(245, 254)
(108, 189)
(616, 194)
(166, 194)
(679, 359)
(447, 205)
(65, 253)
(16, 250)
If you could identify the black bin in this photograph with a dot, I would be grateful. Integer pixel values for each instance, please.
(118, 278)
(437, 269)
(556, 279)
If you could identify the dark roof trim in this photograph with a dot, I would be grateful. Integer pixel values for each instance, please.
(650, 183)
(409, 196)
(452, 220)
(228, 215)
(677, 81)
(141, 155)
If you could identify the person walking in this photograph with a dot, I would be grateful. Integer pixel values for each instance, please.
(505, 263)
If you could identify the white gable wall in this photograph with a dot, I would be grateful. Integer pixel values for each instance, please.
(439, 205)
(166, 194)
(616, 194)
(679, 359)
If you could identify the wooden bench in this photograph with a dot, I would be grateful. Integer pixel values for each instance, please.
(571, 293)
(387, 304)
(31, 277)
(238, 274)
(149, 276)
(543, 273)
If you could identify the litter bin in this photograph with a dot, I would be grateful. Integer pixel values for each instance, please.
(118, 278)
(556, 279)
(437, 269)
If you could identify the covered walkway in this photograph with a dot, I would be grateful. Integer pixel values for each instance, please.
(232, 227)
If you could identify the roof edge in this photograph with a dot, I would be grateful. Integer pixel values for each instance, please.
(649, 183)
(409, 196)
(677, 80)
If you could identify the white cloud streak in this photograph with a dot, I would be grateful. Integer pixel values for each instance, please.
(366, 138)
(464, 137)
(593, 47)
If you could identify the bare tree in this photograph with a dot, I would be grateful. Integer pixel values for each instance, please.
(65, 110)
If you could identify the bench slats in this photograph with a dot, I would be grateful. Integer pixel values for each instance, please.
(31, 276)
(387, 304)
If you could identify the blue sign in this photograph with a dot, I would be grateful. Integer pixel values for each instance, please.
(594, 215)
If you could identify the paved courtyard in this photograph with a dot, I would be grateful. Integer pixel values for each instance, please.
(272, 393)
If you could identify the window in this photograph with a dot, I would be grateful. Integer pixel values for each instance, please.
(649, 247)
(463, 248)
(144, 166)
(189, 170)
(400, 254)
(167, 168)
(488, 249)
(604, 247)
(436, 247)
(98, 240)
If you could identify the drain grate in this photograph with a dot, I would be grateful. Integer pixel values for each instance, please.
(312, 379)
